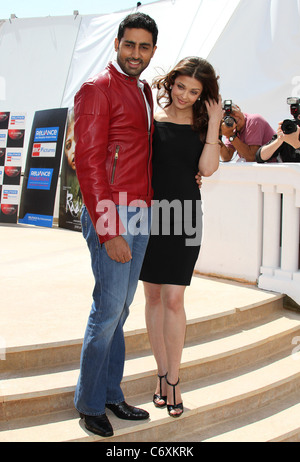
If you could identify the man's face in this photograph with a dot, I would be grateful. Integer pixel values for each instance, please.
(134, 51)
(238, 116)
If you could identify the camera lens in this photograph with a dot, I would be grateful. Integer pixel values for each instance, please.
(288, 127)
(229, 121)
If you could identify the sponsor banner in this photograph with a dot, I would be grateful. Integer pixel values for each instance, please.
(70, 203)
(42, 167)
(12, 133)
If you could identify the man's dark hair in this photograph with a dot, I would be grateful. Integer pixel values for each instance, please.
(138, 21)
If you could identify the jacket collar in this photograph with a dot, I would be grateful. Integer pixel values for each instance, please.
(115, 69)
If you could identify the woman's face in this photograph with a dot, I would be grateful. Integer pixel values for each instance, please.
(185, 91)
(70, 146)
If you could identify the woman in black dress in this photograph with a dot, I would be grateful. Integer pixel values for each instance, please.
(186, 140)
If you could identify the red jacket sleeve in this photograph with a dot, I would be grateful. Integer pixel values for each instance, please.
(92, 117)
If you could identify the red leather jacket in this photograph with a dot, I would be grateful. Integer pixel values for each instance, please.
(113, 147)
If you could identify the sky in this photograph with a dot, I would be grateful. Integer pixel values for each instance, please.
(42, 8)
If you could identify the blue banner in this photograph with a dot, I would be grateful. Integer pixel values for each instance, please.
(42, 167)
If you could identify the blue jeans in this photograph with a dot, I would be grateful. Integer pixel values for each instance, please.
(103, 351)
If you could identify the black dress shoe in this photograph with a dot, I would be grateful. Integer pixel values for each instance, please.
(127, 412)
(98, 424)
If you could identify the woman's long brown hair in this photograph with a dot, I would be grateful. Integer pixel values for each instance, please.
(199, 69)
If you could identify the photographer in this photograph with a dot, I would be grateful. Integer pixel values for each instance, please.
(285, 146)
(245, 133)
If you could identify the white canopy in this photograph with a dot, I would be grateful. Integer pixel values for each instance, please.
(253, 45)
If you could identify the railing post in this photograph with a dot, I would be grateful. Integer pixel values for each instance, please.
(290, 231)
(271, 229)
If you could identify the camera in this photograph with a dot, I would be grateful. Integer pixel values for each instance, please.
(290, 126)
(229, 121)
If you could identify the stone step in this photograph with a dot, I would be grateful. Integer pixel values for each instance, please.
(47, 389)
(209, 321)
(277, 422)
(207, 401)
(237, 361)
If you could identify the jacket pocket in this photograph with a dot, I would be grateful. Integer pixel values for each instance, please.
(115, 161)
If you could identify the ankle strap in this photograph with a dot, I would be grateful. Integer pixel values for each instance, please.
(160, 380)
(172, 384)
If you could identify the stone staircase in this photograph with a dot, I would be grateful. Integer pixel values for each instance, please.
(240, 381)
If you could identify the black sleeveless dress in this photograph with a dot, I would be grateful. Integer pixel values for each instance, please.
(176, 229)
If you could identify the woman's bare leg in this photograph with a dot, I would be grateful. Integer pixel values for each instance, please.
(155, 323)
(174, 334)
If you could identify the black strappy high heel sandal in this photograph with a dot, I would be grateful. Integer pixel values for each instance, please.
(172, 407)
(159, 397)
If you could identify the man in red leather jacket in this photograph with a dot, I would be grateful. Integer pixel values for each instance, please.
(113, 134)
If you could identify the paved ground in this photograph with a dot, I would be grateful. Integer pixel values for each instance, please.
(46, 285)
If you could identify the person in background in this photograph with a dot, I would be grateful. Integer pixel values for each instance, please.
(186, 139)
(113, 134)
(282, 148)
(245, 136)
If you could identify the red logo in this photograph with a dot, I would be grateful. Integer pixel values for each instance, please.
(36, 150)
(12, 171)
(8, 209)
(3, 116)
(15, 134)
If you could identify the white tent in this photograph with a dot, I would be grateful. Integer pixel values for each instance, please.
(253, 45)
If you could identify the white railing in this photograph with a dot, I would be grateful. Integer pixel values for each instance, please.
(252, 225)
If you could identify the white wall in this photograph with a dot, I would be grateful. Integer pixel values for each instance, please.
(232, 213)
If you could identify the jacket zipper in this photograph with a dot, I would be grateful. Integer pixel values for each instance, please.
(149, 135)
(115, 164)
(149, 144)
